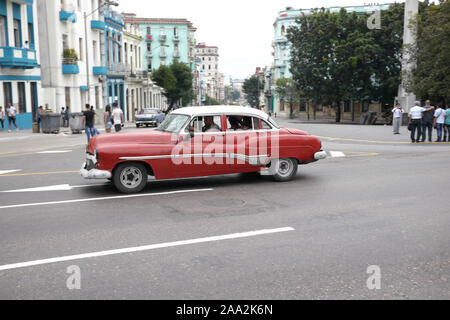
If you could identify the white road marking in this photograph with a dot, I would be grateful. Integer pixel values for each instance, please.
(336, 154)
(54, 151)
(61, 187)
(8, 171)
(103, 198)
(144, 248)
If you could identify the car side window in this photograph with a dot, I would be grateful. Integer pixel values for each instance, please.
(205, 124)
(239, 123)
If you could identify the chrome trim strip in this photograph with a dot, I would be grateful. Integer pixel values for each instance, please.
(253, 160)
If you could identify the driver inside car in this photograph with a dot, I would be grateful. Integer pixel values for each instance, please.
(210, 126)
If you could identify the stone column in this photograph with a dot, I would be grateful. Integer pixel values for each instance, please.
(405, 98)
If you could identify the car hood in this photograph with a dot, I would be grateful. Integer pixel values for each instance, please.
(296, 131)
(142, 137)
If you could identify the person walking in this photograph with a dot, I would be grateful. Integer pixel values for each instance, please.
(38, 117)
(63, 112)
(415, 120)
(2, 118)
(397, 117)
(11, 117)
(88, 122)
(439, 119)
(66, 117)
(118, 117)
(427, 121)
(108, 119)
(447, 124)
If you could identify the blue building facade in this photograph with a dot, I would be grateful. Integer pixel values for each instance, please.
(20, 74)
(166, 40)
(116, 69)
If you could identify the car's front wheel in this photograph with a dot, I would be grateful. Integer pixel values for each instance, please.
(130, 177)
(285, 169)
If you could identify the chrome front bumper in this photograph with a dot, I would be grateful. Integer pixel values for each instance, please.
(94, 173)
(320, 155)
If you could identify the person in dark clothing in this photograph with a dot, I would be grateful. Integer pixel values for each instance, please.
(427, 122)
(88, 122)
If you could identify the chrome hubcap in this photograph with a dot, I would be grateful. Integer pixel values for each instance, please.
(131, 177)
(284, 167)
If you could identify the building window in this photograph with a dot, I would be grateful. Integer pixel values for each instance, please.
(94, 49)
(67, 94)
(347, 106)
(80, 43)
(30, 35)
(7, 93)
(149, 30)
(65, 40)
(17, 35)
(2, 31)
(283, 31)
(21, 92)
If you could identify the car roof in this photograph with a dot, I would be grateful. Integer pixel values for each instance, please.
(219, 110)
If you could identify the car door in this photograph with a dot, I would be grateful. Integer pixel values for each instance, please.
(202, 152)
(249, 144)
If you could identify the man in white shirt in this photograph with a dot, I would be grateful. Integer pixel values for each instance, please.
(439, 119)
(117, 115)
(11, 116)
(397, 118)
(415, 120)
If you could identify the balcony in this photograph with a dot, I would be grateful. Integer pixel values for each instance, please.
(162, 38)
(149, 38)
(97, 25)
(68, 68)
(163, 55)
(68, 14)
(118, 69)
(149, 54)
(18, 58)
(100, 71)
(176, 55)
(176, 38)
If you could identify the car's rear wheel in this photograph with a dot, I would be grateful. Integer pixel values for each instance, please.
(130, 177)
(285, 169)
(137, 126)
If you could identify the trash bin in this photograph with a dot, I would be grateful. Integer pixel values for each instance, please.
(372, 118)
(50, 122)
(35, 127)
(76, 121)
(364, 118)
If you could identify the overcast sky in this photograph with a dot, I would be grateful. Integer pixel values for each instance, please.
(242, 29)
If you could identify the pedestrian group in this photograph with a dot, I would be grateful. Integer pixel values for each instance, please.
(422, 120)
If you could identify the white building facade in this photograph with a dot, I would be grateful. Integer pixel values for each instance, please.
(20, 73)
(212, 81)
(72, 62)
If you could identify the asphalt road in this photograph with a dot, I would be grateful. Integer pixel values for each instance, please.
(379, 201)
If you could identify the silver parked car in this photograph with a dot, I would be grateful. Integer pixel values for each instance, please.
(149, 117)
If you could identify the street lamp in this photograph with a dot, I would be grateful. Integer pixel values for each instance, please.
(106, 3)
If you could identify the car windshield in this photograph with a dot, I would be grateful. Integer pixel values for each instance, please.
(173, 123)
(150, 111)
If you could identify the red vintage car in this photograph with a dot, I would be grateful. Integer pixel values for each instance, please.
(201, 141)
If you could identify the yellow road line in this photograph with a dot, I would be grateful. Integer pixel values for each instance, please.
(36, 173)
(10, 155)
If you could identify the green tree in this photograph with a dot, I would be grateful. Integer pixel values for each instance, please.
(252, 88)
(287, 91)
(210, 101)
(176, 80)
(335, 57)
(430, 79)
